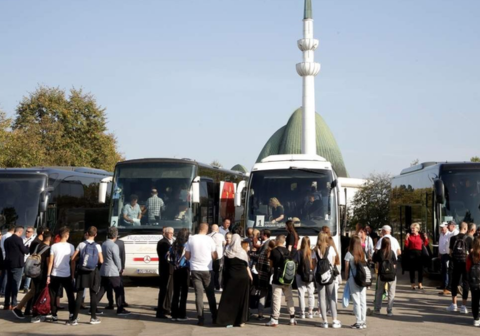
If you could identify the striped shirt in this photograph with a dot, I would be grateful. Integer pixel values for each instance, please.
(154, 206)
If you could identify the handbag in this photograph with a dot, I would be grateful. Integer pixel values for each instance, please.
(346, 295)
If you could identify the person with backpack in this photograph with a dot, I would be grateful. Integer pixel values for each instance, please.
(415, 243)
(86, 259)
(264, 274)
(325, 276)
(359, 278)
(473, 271)
(386, 263)
(233, 309)
(181, 274)
(460, 246)
(305, 277)
(59, 272)
(110, 271)
(283, 276)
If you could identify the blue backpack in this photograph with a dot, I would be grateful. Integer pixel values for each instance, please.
(89, 257)
(178, 261)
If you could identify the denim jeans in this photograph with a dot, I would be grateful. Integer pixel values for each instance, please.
(359, 298)
(14, 277)
(445, 258)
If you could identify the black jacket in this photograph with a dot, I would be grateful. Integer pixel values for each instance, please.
(15, 252)
(163, 246)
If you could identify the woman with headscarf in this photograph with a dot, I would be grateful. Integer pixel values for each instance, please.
(233, 307)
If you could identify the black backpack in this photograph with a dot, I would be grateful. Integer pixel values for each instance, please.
(459, 251)
(363, 277)
(305, 270)
(387, 271)
(324, 274)
(474, 276)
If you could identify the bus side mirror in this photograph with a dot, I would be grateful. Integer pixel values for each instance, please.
(196, 190)
(439, 191)
(239, 193)
(44, 203)
(102, 189)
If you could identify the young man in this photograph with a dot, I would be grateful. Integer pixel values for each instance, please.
(3, 276)
(219, 240)
(85, 277)
(40, 282)
(201, 252)
(14, 262)
(59, 272)
(27, 241)
(164, 294)
(225, 228)
(110, 271)
(121, 248)
(277, 258)
(460, 246)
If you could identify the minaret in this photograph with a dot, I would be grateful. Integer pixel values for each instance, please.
(308, 69)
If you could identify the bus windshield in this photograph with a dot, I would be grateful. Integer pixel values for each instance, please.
(19, 198)
(162, 193)
(302, 195)
(462, 193)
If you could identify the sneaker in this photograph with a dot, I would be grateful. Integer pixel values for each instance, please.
(310, 315)
(389, 314)
(48, 316)
(272, 323)
(363, 326)
(463, 310)
(302, 316)
(18, 313)
(292, 321)
(95, 321)
(323, 325)
(476, 323)
(336, 324)
(260, 317)
(72, 322)
(54, 318)
(452, 308)
(356, 326)
(125, 312)
(36, 319)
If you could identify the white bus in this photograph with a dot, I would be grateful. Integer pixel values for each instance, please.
(192, 193)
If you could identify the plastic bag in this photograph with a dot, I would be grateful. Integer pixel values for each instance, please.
(346, 295)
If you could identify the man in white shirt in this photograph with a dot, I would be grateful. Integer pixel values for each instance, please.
(3, 276)
(444, 255)
(59, 272)
(386, 232)
(202, 251)
(219, 240)
(27, 241)
(225, 228)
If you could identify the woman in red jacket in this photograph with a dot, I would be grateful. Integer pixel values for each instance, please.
(414, 244)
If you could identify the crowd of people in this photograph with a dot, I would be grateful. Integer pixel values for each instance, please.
(254, 272)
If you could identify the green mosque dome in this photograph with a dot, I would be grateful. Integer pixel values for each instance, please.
(288, 140)
(240, 168)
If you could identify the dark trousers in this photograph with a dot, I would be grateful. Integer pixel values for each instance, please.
(14, 279)
(475, 303)
(203, 280)
(56, 283)
(180, 292)
(460, 271)
(445, 259)
(79, 301)
(162, 306)
(109, 292)
(217, 273)
(39, 283)
(115, 284)
(416, 265)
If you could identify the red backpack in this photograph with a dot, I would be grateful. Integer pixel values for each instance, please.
(42, 306)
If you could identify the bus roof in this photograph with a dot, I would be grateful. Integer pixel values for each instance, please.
(59, 170)
(440, 165)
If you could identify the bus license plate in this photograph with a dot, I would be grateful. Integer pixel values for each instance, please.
(146, 271)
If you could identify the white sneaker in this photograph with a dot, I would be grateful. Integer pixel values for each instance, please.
(463, 310)
(310, 315)
(476, 323)
(452, 308)
(323, 325)
(302, 316)
(272, 323)
(336, 324)
(292, 321)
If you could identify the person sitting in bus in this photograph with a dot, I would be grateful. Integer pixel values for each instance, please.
(277, 210)
(313, 209)
(154, 206)
(132, 212)
(182, 212)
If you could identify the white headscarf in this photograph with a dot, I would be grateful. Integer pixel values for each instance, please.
(235, 250)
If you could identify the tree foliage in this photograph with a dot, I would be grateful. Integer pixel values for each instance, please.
(52, 128)
(216, 163)
(475, 159)
(371, 204)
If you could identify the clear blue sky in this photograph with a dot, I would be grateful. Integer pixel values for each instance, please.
(214, 79)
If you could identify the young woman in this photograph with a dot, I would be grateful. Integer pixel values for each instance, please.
(292, 237)
(277, 210)
(181, 276)
(414, 244)
(355, 256)
(326, 293)
(367, 243)
(264, 274)
(338, 265)
(385, 254)
(473, 260)
(304, 284)
(233, 307)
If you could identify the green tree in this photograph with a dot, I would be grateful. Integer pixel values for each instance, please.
(65, 130)
(216, 163)
(414, 162)
(4, 135)
(371, 204)
(475, 159)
